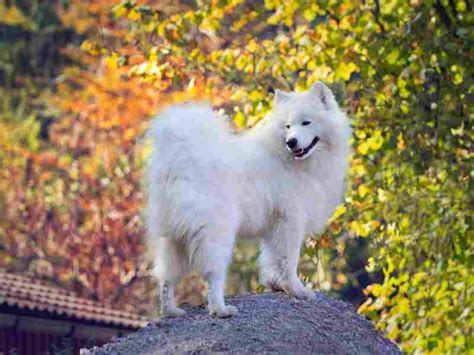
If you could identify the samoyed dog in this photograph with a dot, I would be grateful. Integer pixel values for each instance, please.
(208, 186)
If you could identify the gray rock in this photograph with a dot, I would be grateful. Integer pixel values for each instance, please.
(266, 323)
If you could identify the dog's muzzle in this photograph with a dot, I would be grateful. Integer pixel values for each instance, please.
(299, 153)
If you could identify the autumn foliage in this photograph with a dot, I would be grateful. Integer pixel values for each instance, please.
(72, 150)
(72, 200)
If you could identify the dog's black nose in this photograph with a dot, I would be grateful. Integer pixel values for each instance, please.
(291, 143)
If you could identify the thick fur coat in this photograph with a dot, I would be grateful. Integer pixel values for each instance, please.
(208, 186)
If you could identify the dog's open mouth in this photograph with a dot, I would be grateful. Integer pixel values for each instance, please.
(300, 153)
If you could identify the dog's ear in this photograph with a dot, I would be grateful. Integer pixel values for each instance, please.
(324, 94)
(281, 97)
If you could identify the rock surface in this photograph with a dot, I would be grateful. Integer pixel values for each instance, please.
(270, 322)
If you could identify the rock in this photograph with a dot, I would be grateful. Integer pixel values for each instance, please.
(270, 322)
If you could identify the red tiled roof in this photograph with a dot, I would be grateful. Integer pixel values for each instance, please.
(30, 294)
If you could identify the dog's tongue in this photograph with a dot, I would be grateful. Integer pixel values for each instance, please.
(298, 152)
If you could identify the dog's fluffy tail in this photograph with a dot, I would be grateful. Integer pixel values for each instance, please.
(191, 123)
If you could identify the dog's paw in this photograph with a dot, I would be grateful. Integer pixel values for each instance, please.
(299, 291)
(173, 312)
(302, 293)
(225, 312)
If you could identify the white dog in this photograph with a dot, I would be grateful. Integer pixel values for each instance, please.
(208, 185)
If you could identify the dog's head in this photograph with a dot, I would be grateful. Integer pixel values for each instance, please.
(308, 119)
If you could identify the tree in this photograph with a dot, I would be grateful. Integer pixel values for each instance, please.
(70, 192)
(404, 68)
(70, 199)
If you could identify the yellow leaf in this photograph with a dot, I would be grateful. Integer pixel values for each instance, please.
(404, 107)
(255, 95)
(340, 210)
(112, 61)
(129, 134)
(401, 143)
(261, 66)
(376, 142)
(252, 47)
(374, 224)
(393, 56)
(241, 62)
(458, 79)
(362, 190)
(345, 70)
(13, 17)
(360, 134)
(461, 6)
(376, 289)
(240, 120)
(370, 267)
(119, 10)
(382, 195)
(363, 148)
(309, 15)
(134, 15)
(405, 223)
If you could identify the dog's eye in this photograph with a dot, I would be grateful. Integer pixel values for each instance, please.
(287, 126)
(306, 123)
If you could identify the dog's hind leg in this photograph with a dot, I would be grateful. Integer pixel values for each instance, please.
(211, 255)
(171, 265)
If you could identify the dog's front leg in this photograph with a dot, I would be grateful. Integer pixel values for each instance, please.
(279, 261)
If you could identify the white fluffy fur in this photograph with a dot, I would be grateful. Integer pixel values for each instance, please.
(208, 185)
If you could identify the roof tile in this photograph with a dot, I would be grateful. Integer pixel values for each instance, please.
(28, 293)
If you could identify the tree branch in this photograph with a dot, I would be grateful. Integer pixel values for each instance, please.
(445, 19)
(376, 14)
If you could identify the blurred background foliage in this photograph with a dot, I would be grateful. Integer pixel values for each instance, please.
(80, 79)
